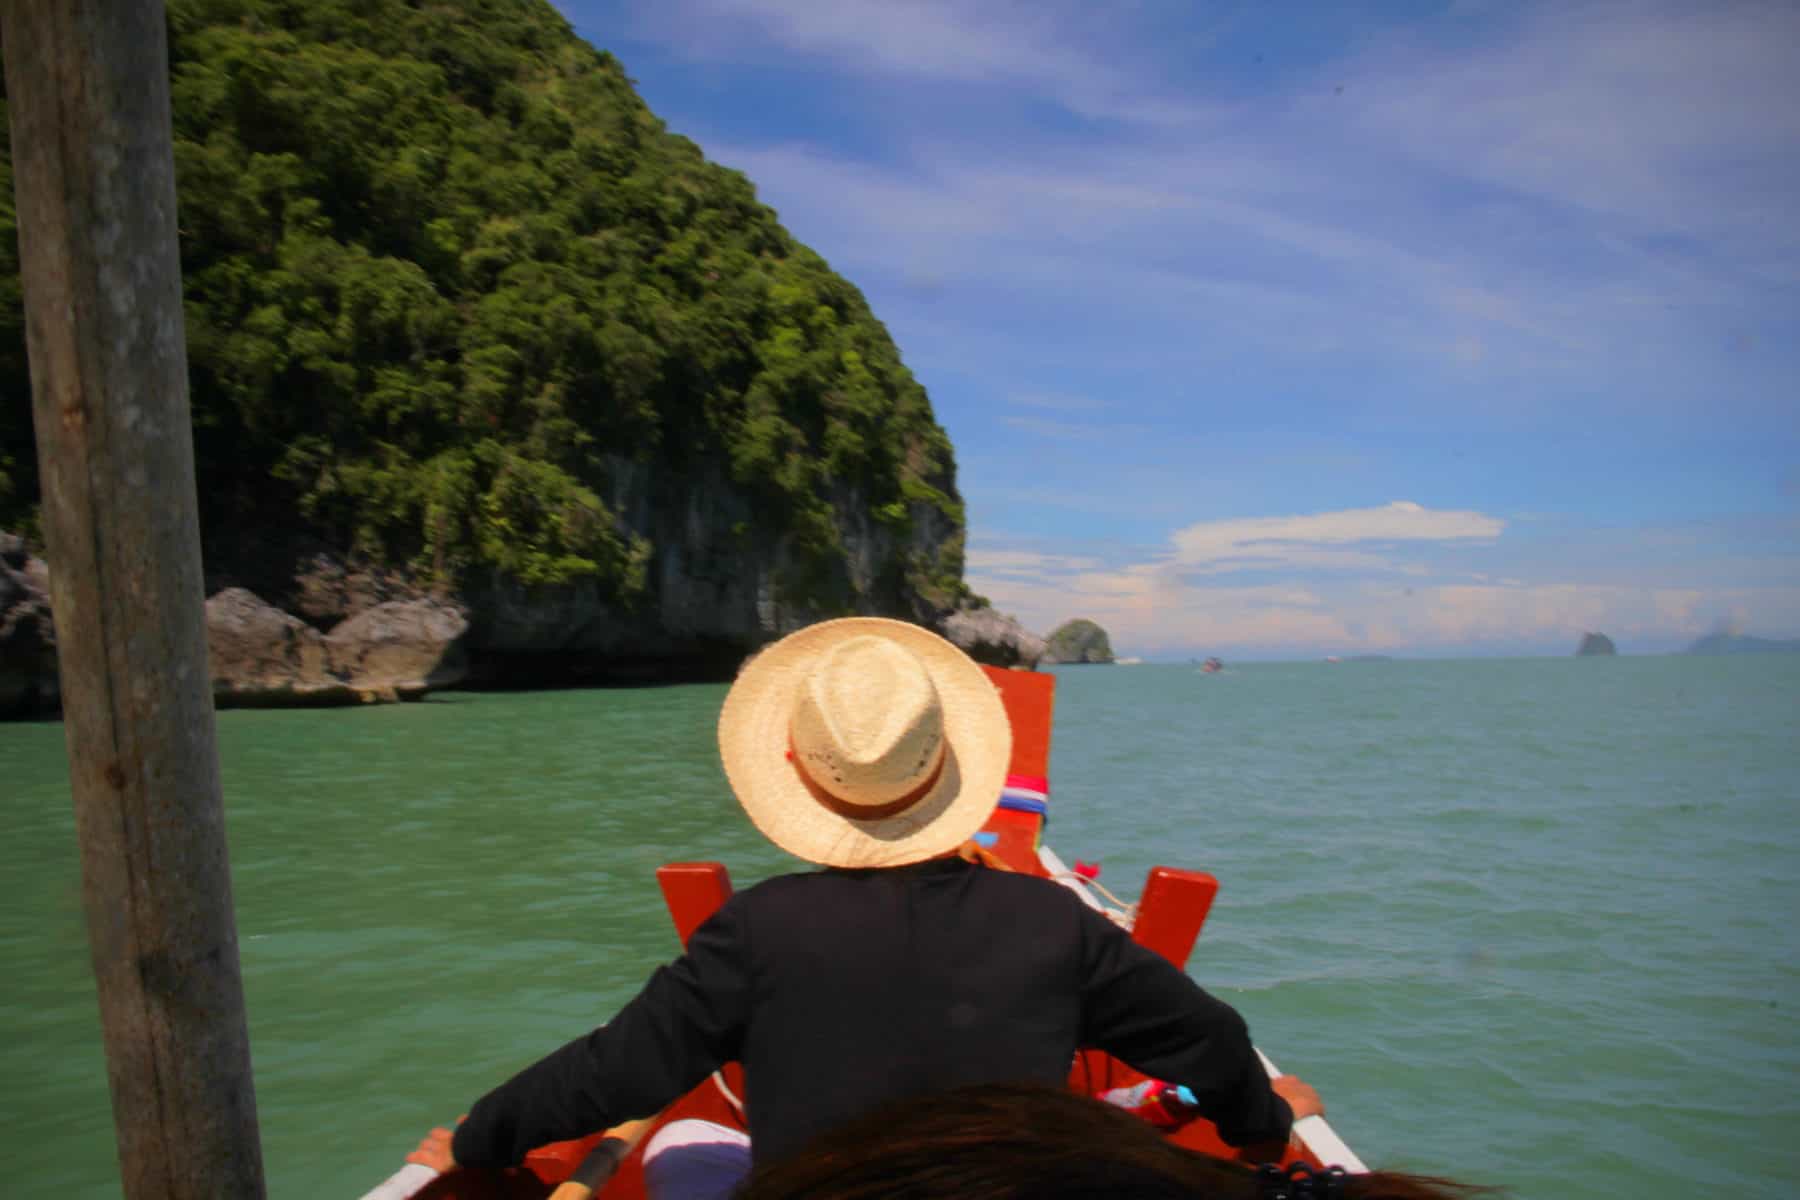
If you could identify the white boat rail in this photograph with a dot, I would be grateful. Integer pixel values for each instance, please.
(1318, 1136)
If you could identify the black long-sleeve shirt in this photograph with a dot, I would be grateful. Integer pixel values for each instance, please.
(842, 990)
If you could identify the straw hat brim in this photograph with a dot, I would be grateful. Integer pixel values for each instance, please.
(753, 743)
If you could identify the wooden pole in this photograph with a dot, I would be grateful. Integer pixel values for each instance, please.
(88, 87)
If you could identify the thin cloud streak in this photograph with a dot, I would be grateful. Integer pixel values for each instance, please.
(1000, 43)
(1181, 601)
(1262, 538)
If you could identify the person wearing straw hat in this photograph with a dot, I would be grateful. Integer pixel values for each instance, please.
(875, 749)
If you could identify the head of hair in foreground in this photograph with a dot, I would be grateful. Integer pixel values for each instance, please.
(1029, 1142)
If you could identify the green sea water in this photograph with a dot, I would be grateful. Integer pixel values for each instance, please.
(1533, 923)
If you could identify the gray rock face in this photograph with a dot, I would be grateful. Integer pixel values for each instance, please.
(718, 587)
(718, 584)
(1078, 641)
(28, 672)
(261, 655)
(327, 590)
(397, 650)
(993, 638)
(1594, 644)
(403, 647)
(713, 578)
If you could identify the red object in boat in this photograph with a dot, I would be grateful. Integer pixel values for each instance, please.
(1169, 913)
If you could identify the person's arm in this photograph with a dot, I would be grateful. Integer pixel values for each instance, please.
(1144, 1011)
(686, 1022)
(1302, 1098)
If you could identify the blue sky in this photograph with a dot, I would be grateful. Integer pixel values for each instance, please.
(1274, 330)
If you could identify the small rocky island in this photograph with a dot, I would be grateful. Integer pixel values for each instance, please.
(1078, 641)
(1593, 644)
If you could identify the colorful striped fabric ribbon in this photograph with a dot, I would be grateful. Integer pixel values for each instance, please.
(1027, 793)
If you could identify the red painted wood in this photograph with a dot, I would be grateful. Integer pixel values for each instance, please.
(1171, 910)
(693, 891)
(1030, 699)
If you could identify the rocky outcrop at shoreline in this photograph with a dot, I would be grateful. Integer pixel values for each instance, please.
(400, 644)
(344, 635)
(28, 676)
(395, 650)
(258, 655)
(993, 638)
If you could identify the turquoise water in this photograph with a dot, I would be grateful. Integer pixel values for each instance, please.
(1528, 922)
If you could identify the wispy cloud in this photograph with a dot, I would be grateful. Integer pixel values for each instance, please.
(1071, 431)
(1595, 178)
(1394, 578)
(1047, 48)
(1669, 118)
(1265, 540)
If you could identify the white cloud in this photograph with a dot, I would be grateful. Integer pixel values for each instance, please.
(1298, 539)
(1362, 600)
(1670, 117)
(1035, 564)
(1069, 53)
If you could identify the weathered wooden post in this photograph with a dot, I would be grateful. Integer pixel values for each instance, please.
(88, 86)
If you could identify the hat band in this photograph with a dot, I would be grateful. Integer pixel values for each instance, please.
(868, 812)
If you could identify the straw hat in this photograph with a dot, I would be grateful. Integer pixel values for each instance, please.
(865, 743)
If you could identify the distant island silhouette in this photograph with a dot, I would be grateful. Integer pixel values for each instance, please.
(1595, 644)
(1743, 643)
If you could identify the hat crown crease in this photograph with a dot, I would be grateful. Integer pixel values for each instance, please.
(868, 725)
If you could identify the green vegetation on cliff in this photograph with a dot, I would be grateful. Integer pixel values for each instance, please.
(441, 263)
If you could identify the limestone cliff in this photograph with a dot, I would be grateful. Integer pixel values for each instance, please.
(468, 324)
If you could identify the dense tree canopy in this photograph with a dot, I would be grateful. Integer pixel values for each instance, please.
(441, 262)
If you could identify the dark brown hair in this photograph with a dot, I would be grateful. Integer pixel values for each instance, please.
(1028, 1142)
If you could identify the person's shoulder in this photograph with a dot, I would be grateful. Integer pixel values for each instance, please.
(1037, 891)
(782, 889)
(771, 898)
(817, 886)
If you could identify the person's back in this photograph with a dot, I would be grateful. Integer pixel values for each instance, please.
(869, 986)
(843, 990)
(882, 984)
(876, 749)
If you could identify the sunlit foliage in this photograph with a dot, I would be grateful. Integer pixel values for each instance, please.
(441, 264)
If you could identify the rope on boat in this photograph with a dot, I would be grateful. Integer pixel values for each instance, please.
(1118, 912)
(718, 1078)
